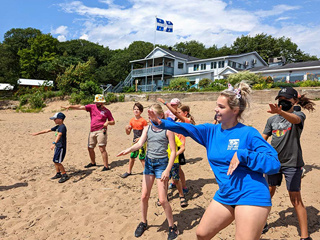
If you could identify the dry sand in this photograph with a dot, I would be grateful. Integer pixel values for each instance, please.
(101, 205)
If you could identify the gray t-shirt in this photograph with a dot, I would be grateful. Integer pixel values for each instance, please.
(157, 143)
(286, 139)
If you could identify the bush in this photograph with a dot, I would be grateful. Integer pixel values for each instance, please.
(178, 84)
(127, 89)
(193, 90)
(261, 86)
(283, 84)
(121, 98)
(204, 83)
(23, 100)
(36, 101)
(309, 83)
(251, 78)
(111, 98)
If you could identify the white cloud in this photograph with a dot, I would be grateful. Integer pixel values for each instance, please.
(60, 30)
(209, 22)
(62, 38)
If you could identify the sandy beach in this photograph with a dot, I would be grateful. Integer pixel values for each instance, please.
(101, 205)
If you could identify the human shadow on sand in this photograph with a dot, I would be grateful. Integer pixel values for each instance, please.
(309, 168)
(16, 185)
(187, 219)
(119, 163)
(80, 174)
(289, 217)
(195, 188)
(193, 160)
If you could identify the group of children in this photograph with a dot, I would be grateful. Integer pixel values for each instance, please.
(160, 146)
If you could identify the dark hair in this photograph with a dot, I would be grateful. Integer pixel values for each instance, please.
(305, 102)
(185, 108)
(138, 105)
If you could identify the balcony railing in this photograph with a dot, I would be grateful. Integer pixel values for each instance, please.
(147, 88)
(142, 72)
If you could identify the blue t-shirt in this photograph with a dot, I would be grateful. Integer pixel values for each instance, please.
(62, 143)
(246, 186)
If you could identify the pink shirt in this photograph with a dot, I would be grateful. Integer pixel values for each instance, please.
(98, 116)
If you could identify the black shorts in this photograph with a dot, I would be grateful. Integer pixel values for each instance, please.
(292, 176)
(59, 154)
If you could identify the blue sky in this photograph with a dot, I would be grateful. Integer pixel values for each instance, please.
(117, 23)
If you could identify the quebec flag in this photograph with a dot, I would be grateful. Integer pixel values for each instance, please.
(164, 26)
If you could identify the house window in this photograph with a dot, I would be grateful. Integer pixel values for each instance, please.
(239, 65)
(196, 67)
(221, 64)
(234, 64)
(213, 65)
(230, 63)
(180, 65)
(169, 64)
(203, 66)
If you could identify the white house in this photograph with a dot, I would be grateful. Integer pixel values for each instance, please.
(154, 71)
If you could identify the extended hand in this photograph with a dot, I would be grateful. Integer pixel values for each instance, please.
(153, 117)
(233, 164)
(52, 146)
(67, 107)
(124, 152)
(164, 176)
(161, 100)
(275, 109)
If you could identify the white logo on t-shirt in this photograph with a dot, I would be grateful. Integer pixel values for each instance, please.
(102, 113)
(233, 144)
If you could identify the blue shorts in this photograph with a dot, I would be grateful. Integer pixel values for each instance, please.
(155, 166)
(59, 154)
(292, 176)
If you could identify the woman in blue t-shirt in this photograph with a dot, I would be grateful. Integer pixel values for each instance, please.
(238, 156)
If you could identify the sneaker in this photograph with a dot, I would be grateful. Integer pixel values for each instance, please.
(90, 165)
(140, 229)
(308, 238)
(173, 232)
(64, 178)
(172, 185)
(265, 228)
(105, 169)
(125, 175)
(58, 175)
(185, 190)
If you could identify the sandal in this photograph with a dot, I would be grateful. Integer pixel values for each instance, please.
(125, 175)
(183, 202)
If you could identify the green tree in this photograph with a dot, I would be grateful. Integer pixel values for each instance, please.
(71, 80)
(42, 49)
(194, 48)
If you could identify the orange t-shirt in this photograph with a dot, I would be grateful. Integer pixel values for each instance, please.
(137, 126)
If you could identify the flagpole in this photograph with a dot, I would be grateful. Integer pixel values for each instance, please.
(154, 46)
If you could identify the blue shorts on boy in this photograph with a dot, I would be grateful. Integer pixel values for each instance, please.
(61, 145)
(292, 176)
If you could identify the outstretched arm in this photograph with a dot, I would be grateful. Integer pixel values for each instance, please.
(75, 107)
(41, 132)
(174, 111)
(137, 145)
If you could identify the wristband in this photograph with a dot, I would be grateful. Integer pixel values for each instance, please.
(54, 143)
(165, 103)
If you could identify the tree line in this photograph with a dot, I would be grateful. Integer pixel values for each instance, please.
(29, 53)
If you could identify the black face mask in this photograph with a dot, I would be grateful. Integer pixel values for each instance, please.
(297, 108)
(286, 105)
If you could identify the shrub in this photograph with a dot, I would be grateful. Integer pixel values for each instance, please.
(111, 98)
(204, 83)
(23, 99)
(193, 90)
(121, 98)
(261, 86)
(309, 83)
(251, 78)
(178, 84)
(127, 89)
(283, 84)
(36, 101)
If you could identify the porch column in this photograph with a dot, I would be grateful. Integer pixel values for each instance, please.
(163, 68)
(146, 77)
